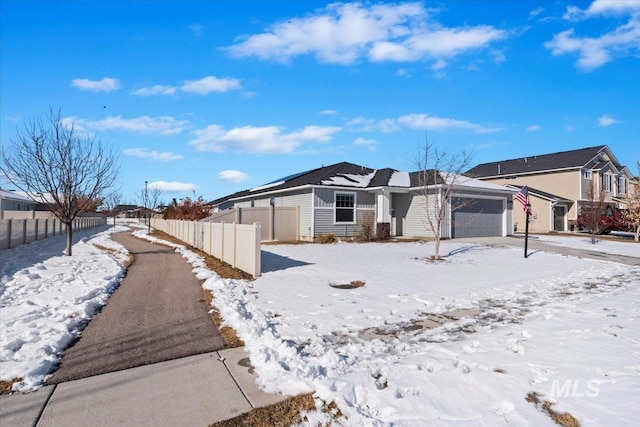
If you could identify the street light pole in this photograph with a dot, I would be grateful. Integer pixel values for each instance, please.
(146, 205)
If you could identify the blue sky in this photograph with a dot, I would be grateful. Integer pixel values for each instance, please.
(212, 97)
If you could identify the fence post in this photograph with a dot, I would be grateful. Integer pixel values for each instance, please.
(24, 231)
(46, 228)
(272, 222)
(257, 237)
(9, 232)
(37, 224)
(235, 244)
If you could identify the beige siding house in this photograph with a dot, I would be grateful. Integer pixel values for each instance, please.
(559, 183)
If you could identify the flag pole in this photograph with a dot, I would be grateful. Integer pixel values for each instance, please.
(526, 229)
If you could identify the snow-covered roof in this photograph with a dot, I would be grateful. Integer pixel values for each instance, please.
(355, 176)
(350, 180)
(12, 195)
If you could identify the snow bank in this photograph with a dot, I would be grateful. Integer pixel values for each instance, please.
(47, 298)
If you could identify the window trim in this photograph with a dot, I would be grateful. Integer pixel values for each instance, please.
(622, 184)
(335, 207)
(606, 183)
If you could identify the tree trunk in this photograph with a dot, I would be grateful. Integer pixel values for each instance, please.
(69, 226)
(636, 237)
(436, 248)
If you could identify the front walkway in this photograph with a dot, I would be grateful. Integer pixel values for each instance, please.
(158, 313)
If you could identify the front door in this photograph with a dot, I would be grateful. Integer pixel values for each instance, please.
(559, 212)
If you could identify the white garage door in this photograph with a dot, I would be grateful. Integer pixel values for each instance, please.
(476, 217)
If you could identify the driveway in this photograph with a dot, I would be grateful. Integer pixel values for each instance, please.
(535, 245)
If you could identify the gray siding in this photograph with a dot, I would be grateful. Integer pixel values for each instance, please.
(415, 222)
(325, 198)
(324, 223)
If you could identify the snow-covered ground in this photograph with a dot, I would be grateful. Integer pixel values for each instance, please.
(46, 298)
(563, 327)
(623, 247)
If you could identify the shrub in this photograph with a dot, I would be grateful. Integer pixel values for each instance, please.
(367, 227)
(327, 238)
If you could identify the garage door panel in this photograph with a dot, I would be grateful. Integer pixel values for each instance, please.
(476, 217)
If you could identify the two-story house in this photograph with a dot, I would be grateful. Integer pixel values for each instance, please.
(559, 183)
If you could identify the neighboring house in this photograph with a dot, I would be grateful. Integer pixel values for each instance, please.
(10, 201)
(340, 198)
(559, 183)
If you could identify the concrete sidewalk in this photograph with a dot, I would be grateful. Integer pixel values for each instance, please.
(192, 391)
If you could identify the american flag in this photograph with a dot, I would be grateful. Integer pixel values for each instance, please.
(523, 197)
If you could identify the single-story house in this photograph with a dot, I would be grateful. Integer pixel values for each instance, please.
(339, 198)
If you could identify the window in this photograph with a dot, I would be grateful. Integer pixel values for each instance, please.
(587, 174)
(606, 178)
(345, 208)
(622, 185)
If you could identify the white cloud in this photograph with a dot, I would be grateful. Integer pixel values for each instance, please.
(362, 124)
(196, 29)
(602, 7)
(233, 176)
(369, 143)
(210, 84)
(107, 84)
(12, 119)
(401, 72)
(439, 65)
(425, 121)
(143, 153)
(328, 112)
(252, 139)
(606, 120)
(595, 52)
(533, 128)
(163, 125)
(439, 43)
(155, 90)
(173, 186)
(536, 12)
(345, 33)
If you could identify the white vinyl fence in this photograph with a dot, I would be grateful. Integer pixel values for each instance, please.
(16, 232)
(236, 244)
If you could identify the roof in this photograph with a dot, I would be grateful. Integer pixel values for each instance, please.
(12, 195)
(538, 163)
(350, 175)
(543, 194)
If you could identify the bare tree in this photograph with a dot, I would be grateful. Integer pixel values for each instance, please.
(439, 173)
(55, 165)
(632, 212)
(149, 198)
(111, 203)
(593, 209)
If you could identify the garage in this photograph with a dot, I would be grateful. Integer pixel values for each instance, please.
(472, 217)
